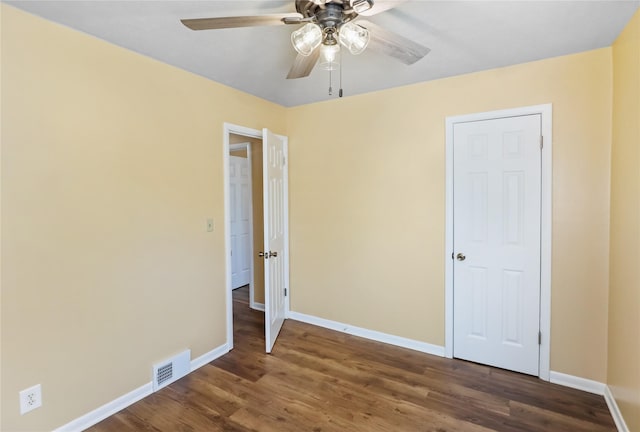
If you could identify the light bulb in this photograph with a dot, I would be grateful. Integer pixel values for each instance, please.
(329, 55)
(306, 38)
(354, 37)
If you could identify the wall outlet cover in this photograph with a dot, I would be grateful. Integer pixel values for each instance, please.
(30, 399)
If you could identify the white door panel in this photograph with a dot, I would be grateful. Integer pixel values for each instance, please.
(275, 207)
(497, 228)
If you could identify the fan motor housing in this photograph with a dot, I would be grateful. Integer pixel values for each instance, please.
(329, 15)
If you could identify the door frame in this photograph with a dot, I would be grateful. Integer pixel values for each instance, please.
(545, 112)
(230, 128)
(247, 147)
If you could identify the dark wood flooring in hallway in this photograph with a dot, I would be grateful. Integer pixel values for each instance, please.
(319, 380)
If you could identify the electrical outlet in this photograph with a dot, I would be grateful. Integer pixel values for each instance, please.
(30, 399)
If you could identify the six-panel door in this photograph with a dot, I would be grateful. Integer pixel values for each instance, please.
(497, 187)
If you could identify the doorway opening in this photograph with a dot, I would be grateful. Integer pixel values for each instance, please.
(256, 225)
(244, 221)
(246, 216)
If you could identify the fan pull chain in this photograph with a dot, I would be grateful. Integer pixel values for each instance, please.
(340, 66)
(330, 89)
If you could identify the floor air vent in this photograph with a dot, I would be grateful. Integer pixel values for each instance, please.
(166, 372)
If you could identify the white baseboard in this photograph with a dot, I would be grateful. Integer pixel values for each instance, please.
(369, 334)
(615, 411)
(110, 408)
(106, 410)
(594, 387)
(575, 382)
(257, 306)
(209, 357)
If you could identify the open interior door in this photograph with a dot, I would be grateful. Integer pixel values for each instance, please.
(274, 148)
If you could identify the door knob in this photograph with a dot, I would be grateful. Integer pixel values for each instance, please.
(263, 255)
(461, 257)
(273, 254)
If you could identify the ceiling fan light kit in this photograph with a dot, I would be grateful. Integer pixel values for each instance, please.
(327, 25)
(352, 36)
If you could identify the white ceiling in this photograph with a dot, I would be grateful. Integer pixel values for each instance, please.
(464, 36)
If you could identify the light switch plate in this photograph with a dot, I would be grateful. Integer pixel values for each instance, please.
(209, 225)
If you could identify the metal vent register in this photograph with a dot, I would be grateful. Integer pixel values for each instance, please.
(164, 373)
(172, 369)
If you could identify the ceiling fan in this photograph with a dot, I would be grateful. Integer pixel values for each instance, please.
(328, 24)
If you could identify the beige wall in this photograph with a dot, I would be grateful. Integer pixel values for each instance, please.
(111, 164)
(239, 153)
(367, 202)
(258, 220)
(624, 297)
(258, 215)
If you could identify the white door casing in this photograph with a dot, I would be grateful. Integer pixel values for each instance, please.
(546, 113)
(496, 235)
(275, 238)
(240, 220)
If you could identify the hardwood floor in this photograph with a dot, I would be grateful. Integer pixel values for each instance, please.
(318, 380)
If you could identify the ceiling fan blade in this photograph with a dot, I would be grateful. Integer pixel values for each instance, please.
(381, 6)
(303, 65)
(394, 45)
(241, 21)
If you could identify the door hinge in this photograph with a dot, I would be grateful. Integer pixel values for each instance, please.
(539, 338)
(541, 142)
(285, 292)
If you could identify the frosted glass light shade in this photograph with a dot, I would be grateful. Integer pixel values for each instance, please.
(329, 57)
(306, 38)
(354, 37)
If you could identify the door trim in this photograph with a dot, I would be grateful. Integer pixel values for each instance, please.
(247, 147)
(545, 112)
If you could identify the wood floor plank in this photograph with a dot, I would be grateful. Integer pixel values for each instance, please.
(318, 380)
(541, 419)
(124, 421)
(397, 383)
